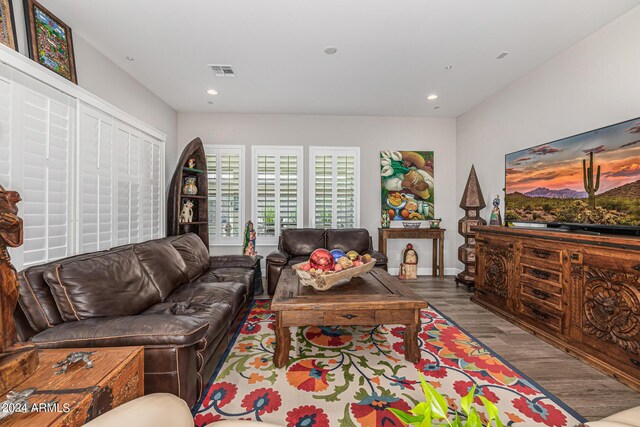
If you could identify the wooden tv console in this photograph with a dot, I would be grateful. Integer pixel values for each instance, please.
(578, 292)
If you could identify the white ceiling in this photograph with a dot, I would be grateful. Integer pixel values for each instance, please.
(391, 54)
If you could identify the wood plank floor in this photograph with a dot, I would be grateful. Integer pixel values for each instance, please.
(591, 393)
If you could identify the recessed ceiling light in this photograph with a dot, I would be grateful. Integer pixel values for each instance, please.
(432, 97)
(502, 55)
(212, 92)
(448, 67)
(330, 50)
(130, 58)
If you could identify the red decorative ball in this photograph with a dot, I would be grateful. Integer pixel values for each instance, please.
(321, 259)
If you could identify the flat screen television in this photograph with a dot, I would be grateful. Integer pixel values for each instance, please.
(589, 181)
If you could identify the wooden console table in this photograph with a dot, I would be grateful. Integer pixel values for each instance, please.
(77, 396)
(436, 234)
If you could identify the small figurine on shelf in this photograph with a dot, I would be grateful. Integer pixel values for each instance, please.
(435, 223)
(249, 240)
(186, 215)
(384, 220)
(191, 163)
(190, 188)
(496, 218)
(409, 266)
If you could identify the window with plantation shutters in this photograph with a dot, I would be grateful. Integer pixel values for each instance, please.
(225, 167)
(277, 185)
(335, 179)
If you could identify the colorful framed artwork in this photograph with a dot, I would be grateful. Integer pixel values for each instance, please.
(50, 40)
(7, 25)
(407, 185)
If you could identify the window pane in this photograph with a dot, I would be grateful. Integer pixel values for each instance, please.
(230, 195)
(288, 192)
(266, 195)
(324, 191)
(345, 192)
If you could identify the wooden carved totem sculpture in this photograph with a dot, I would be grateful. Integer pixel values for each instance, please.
(16, 362)
(472, 201)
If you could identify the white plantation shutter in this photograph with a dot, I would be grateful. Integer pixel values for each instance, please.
(335, 180)
(128, 184)
(277, 191)
(62, 151)
(96, 186)
(225, 174)
(36, 138)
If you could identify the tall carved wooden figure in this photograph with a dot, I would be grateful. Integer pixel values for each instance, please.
(16, 362)
(472, 201)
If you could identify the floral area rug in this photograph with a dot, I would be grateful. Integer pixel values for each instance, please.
(349, 376)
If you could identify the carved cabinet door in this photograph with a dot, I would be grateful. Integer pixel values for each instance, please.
(495, 270)
(608, 306)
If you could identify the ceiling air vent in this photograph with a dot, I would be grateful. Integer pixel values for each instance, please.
(222, 70)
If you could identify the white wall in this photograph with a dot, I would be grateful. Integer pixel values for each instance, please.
(371, 134)
(100, 75)
(593, 84)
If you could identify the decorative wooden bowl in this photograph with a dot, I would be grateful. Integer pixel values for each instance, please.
(326, 280)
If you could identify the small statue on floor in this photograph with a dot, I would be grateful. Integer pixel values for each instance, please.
(249, 240)
(496, 218)
(409, 266)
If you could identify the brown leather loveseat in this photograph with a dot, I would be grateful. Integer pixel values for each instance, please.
(295, 246)
(167, 295)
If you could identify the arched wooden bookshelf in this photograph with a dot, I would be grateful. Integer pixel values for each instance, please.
(200, 223)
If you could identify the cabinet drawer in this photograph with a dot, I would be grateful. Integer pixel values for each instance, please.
(542, 294)
(349, 317)
(549, 257)
(543, 317)
(542, 274)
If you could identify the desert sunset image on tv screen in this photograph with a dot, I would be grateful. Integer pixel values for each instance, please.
(591, 178)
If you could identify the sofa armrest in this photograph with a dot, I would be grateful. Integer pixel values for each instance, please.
(379, 256)
(279, 257)
(231, 261)
(156, 330)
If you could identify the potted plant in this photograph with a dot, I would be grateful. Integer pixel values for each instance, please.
(434, 411)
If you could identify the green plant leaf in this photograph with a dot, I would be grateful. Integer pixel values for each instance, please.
(407, 418)
(465, 402)
(457, 422)
(492, 411)
(474, 419)
(439, 406)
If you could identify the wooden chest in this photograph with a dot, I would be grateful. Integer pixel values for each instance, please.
(79, 395)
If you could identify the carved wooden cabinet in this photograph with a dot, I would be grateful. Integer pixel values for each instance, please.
(579, 292)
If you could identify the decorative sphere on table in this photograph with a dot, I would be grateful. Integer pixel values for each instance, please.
(337, 254)
(321, 259)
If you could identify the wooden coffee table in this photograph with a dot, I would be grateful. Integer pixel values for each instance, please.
(372, 299)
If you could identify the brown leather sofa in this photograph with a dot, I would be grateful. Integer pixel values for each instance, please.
(295, 245)
(167, 295)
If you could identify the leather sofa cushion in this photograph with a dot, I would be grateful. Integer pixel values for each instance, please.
(163, 265)
(297, 260)
(108, 284)
(151, 330)
(36, 299)
(348, 239)
(242, 261)
(207, 307)
(208, 293)
(193, 252)
(239, 275)
(302, 241)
